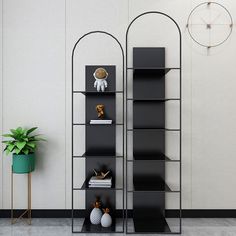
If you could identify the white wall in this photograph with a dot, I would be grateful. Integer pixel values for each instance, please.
(34, 94)
(38, 37)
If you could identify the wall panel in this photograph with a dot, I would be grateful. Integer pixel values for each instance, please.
(34, 94)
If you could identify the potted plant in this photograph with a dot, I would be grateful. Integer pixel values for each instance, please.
(22, 145)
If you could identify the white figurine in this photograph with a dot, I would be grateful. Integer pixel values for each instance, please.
(100, 76)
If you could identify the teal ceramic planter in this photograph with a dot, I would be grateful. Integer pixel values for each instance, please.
(22, 164)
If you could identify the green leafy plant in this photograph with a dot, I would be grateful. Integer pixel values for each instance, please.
(22, 141)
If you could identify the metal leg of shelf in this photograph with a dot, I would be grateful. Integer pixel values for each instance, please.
(14, 220)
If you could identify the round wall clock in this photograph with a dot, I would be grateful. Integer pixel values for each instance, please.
(210, 24)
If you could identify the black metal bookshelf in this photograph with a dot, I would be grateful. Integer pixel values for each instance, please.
(100, 147)
(148, 159)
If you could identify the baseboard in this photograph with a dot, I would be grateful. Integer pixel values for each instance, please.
(186, 213)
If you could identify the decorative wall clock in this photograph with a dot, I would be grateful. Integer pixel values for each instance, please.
(210, 24)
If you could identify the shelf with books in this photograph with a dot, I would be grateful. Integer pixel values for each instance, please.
(106, 155)
(100, 121)
(87, 188)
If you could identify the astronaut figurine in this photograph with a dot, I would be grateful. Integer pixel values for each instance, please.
(100, 76)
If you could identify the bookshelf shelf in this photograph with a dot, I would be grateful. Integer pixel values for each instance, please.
(148, 131)
(100, 144)
(88, 124)
(156, 70)
(154, 157)
(89, 228)
(151, 225)
(153, 99)
(94, 93)
(94, 156)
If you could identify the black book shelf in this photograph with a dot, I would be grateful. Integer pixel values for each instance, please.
(100, 149)
(147, 132)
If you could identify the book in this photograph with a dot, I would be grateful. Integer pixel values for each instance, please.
(100, 183)
(99, 186)
(101, 122)
(94, 180)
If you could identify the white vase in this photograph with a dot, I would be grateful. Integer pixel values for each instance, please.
(95, 216)
(106, 220)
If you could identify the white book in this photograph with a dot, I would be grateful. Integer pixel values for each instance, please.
(95, 179)
(99, 186)
(100, 121)
(91, 182)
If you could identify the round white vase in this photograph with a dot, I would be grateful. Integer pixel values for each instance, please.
(106, 220)
(95, 216)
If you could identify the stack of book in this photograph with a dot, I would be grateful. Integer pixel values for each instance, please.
(94, 182)
(100, 122)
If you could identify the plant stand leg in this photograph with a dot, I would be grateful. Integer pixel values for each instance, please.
(12, 215)
(29, 198)
(14, 220)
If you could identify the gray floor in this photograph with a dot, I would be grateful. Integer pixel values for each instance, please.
(62, 227)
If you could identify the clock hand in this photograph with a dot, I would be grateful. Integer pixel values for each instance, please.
(207, 24)
(216, 18)
(204, 21)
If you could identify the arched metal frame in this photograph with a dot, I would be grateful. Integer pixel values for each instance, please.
(230, 25)
(180, 115)
(72, 112)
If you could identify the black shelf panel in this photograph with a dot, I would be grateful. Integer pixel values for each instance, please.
(157, 157)
(88, 124)
(153, 99)
(153, 128)
(147, 186)
(99, 155)
(93, 156)
(153, 68)
(98, 93)
(90, 228)
(159, 70)
(86, 187)
(151, 225)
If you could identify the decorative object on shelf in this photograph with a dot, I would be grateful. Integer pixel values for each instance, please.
(96, 213)
(100, 76)
(100, 122)
(23, 145)
(100, 175)
(100, 110)
(204, 19)
(106, 219)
